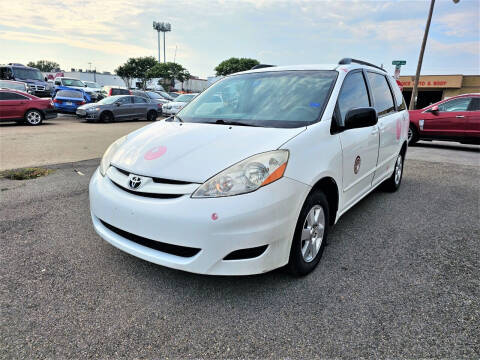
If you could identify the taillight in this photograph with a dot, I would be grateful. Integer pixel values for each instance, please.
(82, 103)
(110, 92)
(57, 101)
(130, 92)
(160, 105)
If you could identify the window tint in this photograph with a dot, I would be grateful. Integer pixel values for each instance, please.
(69, 94)
(460, 104)
(475, 104)
(120, 92)
(382, 97)
(125, 100)
(353, 94)
(399, 101)
(140, 100)
(5, 73)
(12, 96)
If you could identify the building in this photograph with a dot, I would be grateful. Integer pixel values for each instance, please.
(433, 88)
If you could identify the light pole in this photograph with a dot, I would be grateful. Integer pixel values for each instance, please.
(161, 27)
(420, 57)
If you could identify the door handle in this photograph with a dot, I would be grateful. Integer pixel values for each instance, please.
(23, 102)
(459, 116)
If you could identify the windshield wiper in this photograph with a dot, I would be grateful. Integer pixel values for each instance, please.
(228, 122)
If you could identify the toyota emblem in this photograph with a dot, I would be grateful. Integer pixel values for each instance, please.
(134, 182)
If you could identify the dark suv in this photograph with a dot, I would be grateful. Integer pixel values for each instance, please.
(31, 76)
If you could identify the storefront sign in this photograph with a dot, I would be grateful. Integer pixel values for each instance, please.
(433, 81)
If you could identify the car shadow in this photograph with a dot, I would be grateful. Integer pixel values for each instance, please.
(447, 146)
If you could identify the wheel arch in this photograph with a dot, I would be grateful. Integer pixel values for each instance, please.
(330, 188)
(105, 112)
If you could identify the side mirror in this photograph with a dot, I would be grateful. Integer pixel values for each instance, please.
(360, 117)
(118, 104)
(46, 79)
(434, 109)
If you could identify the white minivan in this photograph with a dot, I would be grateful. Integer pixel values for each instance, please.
(252, 173)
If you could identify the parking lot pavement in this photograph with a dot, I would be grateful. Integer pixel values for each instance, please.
(445, 152)
(61, 140)
(398, 279)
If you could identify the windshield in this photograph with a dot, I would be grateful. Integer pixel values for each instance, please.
(27, 74)
(69, 94)
(165, 95)
(92, 84)
(12, 85)
(72, 82)
(185, 98)
(270, 99)
(153, 95)
(109, 100)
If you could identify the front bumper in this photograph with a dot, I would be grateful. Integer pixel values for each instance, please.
(50, 114)
(87, 115)
(265, 217)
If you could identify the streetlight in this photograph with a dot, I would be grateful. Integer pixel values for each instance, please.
(420, 58)
(161, 27)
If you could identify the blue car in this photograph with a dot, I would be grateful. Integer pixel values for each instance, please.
(67, 99)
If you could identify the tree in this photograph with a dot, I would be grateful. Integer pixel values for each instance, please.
(234, 65)
(137, 68)
(169, 72)
(126, 72)
(44, 65)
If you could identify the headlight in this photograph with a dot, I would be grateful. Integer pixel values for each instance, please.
(246, 176)
(93, 109)
(107, 157)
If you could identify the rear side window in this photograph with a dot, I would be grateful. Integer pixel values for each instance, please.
(353, 95)
(140, 100)
(12, 96)
(382, 97)
(69, 94)
(397, 94)
(475, 104)
(125, 100)
(460, 104)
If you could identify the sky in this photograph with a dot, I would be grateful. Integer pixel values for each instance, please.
(204, 32)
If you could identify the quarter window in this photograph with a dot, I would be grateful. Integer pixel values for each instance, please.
(475, 104)
(353, 95)
(382, 96)
(460, 104)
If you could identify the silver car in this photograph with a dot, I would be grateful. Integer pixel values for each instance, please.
(120, 107)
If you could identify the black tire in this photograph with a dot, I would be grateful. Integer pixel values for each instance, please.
(33, 117)
(298, 265)
(393, 183)
(412, 134)
(106, 117)
(152, 115)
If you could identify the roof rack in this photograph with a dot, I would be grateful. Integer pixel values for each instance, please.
(346, 61)
(261, 66)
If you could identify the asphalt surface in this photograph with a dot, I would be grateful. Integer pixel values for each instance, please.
(399, 279)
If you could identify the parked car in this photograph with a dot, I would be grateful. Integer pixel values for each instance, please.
(97, 87)
(152, 97)
(119, 107)
(113, 91)
(175, 106)
(164, 95)
(67, 100)
(36, 82)
(174, 94)
(453, 119)
(256, 183)
(94, 93)
(23, 107)
(14, 85)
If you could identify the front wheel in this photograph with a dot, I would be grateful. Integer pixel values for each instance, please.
(393, 182)
(310, 235)
(33, 117)
(106, 117)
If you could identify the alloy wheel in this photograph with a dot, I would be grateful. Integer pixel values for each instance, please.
(398, 169)
(312, 233)
(34, 118)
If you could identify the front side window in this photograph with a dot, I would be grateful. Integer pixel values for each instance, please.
(353, 95)
(13, 85)
(12, 96)
(125, 100)
(269, 99)
(460, 104)
(5, 73)
(382, 96)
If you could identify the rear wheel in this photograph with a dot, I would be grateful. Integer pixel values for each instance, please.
(310, 235)
(412, 135)
(33, 117)
(106, 117)
(393, 182)
(152, 115)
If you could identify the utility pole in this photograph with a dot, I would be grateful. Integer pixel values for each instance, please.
(420, 58)
(175, 56)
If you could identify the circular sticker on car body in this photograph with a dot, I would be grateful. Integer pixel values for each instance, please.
(356, 165)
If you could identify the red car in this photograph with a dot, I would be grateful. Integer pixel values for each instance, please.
(22, 107)
(453, 119)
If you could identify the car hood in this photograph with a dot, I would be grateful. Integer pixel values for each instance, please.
(89, 105)
(194, 152)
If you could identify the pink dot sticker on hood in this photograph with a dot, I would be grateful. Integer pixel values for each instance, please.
(155, 152)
